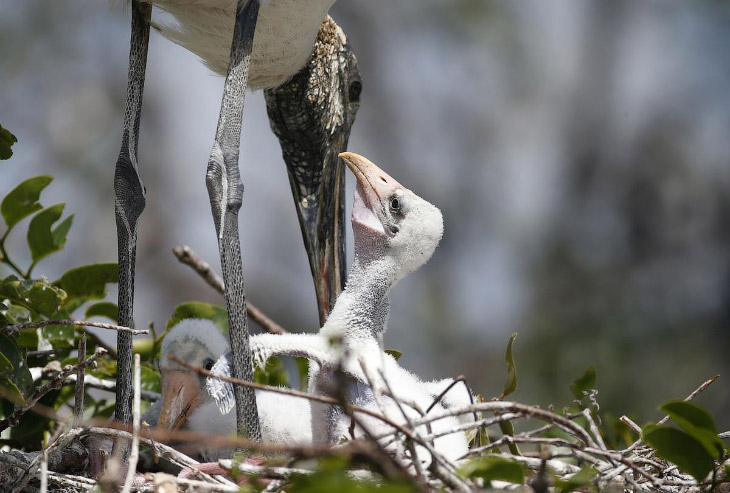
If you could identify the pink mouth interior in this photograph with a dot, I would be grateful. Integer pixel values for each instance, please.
(362, 214)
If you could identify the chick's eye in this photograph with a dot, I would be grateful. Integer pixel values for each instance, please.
(208, 364)
(395, 204)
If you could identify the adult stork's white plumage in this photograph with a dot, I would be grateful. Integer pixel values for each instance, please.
(193, 402)
(282, 43)
(395, 233)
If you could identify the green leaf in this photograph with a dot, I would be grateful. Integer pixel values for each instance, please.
(394, 353)
(22, 200)
(10, 391)
(195, 309)
(37, 295)
(508, 428)
(19, 375)
(273, 374)
(581, 479)
(303, 369)
(59, 335)
(492, 468)
(6, 142)
(689, 415)
(510, 385)
(332, 476)
(697, 421)
(5, 364)
(11, 314)
(103, 309)
(680, 448)
(149, 378)
(42, 240)
(89, 281)
(585, 383)
(27, 339)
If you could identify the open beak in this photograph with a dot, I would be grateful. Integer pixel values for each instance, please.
(374, 187)
(180, 391)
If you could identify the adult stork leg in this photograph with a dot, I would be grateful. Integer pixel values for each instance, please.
(226, 193)
(129, 202)
(312, 115)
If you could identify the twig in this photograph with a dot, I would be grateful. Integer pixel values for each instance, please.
(187, 256)
(691, 396)
(12, 329)
(286, 472)
(526, 411)
(44, 471)
(134, 456)
(628, 422)
(98, 342)
(30, 401)
(110, 386)
(42, 354)
(69, 481)
(79, 391)
(162, 480)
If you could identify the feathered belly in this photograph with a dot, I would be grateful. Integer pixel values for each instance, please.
(284, 38)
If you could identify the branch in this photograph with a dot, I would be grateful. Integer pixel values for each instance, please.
(109, 386)
(12, 329)
(187, 256)
(286, 472)
(57, 381)
(691, 396)
(79, 391)
(98, 342)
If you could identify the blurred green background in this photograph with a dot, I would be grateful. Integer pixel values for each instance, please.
(579, 150)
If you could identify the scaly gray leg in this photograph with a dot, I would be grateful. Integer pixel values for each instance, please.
(226, 192)
(129, 202)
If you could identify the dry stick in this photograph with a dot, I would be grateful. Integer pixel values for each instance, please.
(287, 472)
(98, 342)
(79, 391)
(56, 439)
(527, 411)
(44, 471)
(187, 256)
(134, 455)
(628, 422)
(12, 420)
(161, 480)
(70, 481)
(12, 329)
(109, 386)
(691, 396)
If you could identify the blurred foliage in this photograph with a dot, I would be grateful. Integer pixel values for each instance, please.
(28, 298)
(6, 142)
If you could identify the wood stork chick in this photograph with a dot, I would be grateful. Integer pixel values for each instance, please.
(395, 232)
(193, 402)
